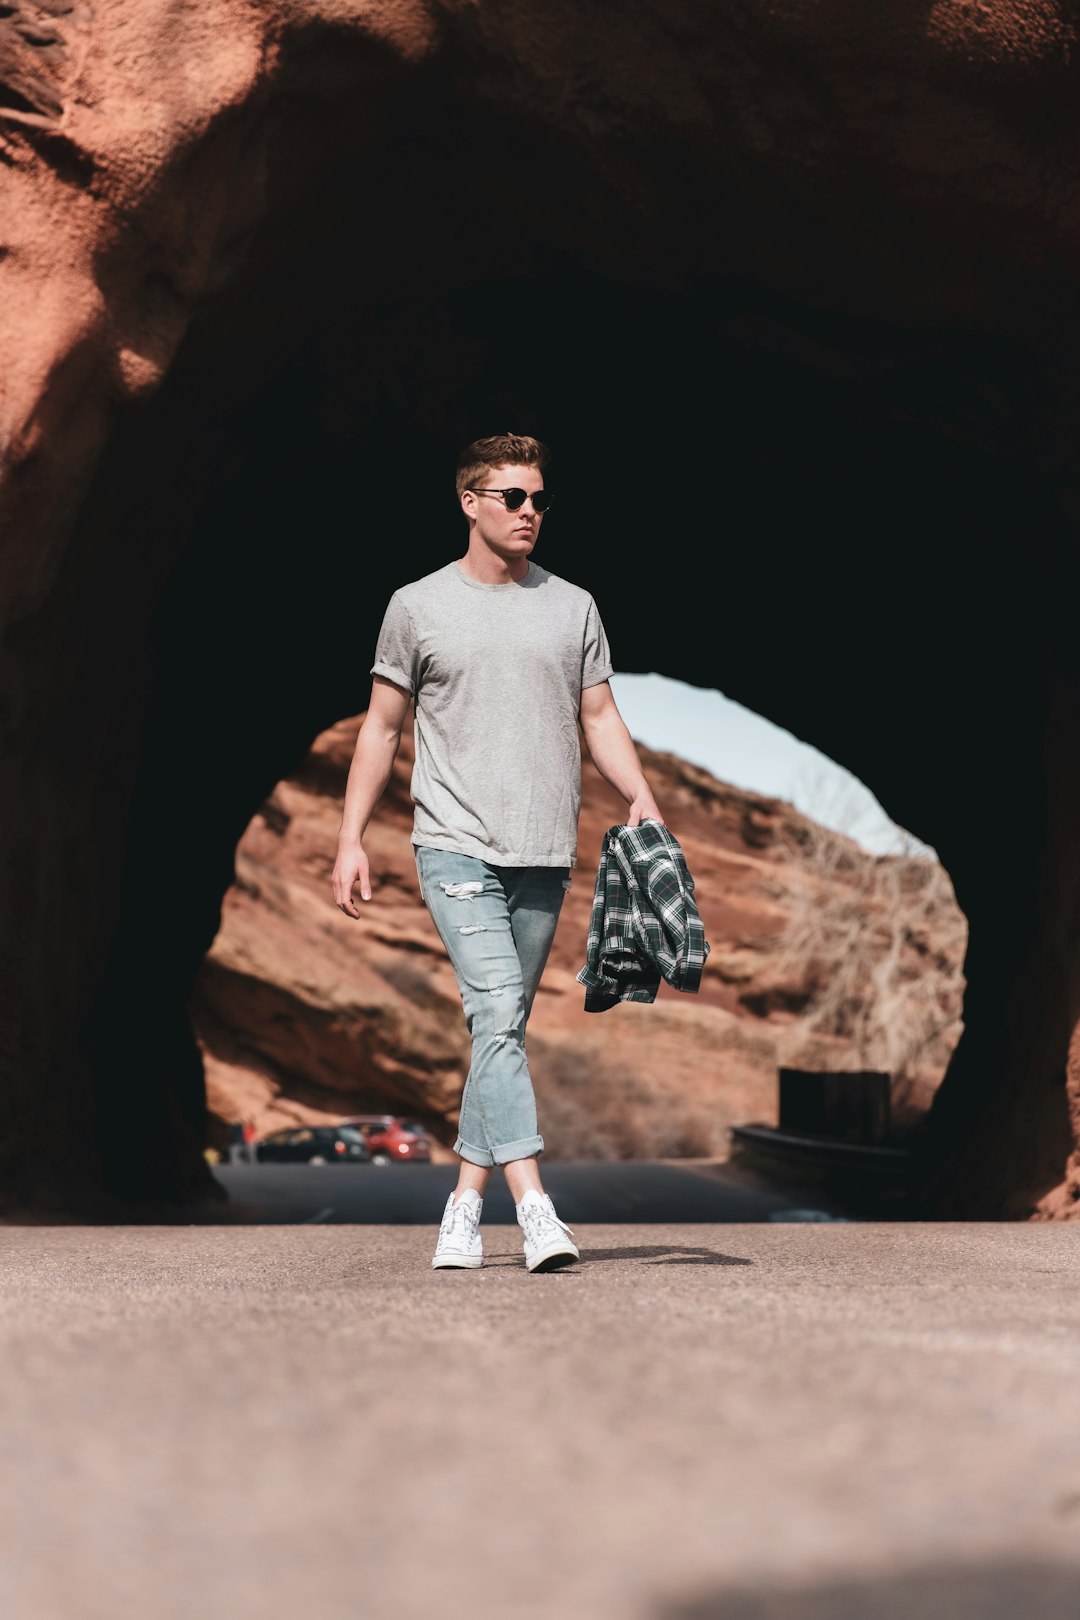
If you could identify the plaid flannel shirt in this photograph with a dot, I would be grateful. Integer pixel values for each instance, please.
(645, 924)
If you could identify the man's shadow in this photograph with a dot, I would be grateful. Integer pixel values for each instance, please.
(654, 1254)
(667, 1254)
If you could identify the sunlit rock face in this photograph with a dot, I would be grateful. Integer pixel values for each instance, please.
(821, 956)
(792, 293)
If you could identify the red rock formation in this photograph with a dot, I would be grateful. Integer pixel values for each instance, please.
(305, 1014)
(252, 250)
(124, 209)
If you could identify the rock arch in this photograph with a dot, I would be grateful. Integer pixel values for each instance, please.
(793, 298)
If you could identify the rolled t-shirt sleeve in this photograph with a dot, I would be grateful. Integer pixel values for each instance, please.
(396, 648)
(595, 655)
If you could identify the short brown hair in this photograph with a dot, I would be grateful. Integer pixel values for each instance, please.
(500, 450)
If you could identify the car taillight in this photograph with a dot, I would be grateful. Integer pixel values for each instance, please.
(339, 1147)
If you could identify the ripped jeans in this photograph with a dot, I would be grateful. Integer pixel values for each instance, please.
(497, 923)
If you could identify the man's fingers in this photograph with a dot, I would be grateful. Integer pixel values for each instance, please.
(635, 815)
(343, 899)
(344, 883)
(343, 893)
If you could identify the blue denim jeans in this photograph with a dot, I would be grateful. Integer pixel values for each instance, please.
(497, 923)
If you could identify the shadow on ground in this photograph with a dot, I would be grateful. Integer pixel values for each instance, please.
(658, 1254)
(1001, 1592)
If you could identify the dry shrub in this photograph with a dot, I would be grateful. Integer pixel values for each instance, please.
(594, 1110)
(878, 943)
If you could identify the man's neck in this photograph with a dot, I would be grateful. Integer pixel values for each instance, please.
(489, 569)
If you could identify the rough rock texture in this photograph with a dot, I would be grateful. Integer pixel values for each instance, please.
(267, 264)
(304, 1014)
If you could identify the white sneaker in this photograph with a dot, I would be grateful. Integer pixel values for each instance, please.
(460, 1244)
(547, 1239)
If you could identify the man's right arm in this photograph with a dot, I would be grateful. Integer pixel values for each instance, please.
(372, 762)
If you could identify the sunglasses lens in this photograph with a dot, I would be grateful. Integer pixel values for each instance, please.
(515, 498)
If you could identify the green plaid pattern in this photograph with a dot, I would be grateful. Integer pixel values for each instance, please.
(645, 924)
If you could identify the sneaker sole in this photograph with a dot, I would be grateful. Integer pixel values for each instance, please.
(463, 1262)
(553, 1260)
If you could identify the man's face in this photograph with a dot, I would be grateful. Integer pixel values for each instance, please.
(508, 534)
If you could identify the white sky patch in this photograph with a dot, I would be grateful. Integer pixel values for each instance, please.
(741, 747)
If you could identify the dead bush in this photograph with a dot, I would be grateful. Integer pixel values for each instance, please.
(879, 943)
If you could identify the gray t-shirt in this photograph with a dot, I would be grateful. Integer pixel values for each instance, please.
(496, 672)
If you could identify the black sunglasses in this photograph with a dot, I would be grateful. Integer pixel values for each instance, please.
(515, 498)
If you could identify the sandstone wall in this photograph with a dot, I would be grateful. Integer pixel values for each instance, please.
(849, 961)
(799, 282)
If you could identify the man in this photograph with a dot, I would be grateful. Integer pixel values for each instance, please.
(502, 659)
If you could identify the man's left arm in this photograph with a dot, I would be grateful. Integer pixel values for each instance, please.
(612, 751)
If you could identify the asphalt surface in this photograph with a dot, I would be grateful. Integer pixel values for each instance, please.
(746, 1421)
(415, 1194)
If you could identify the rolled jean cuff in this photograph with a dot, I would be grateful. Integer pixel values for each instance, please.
(527, 1148)
(473, 1155)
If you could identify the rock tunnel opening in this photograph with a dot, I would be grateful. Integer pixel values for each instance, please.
(824, 955)
(803, 505)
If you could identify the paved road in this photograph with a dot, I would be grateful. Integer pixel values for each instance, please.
(752, 1421)
(685, 1190)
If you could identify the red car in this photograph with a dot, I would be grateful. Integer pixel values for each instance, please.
(393, 1140)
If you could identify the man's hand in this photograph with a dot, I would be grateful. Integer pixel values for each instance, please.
(350, 868)
(644, 808)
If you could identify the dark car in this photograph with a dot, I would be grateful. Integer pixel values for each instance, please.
(313, 1144)
(393, 1140)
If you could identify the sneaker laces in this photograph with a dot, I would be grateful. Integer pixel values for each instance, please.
(536, 1216)
(469, 1213)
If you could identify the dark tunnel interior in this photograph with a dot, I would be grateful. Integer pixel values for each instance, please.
(815, 511)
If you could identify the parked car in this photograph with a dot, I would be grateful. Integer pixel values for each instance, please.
(392, 1139)
(314, 1144)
